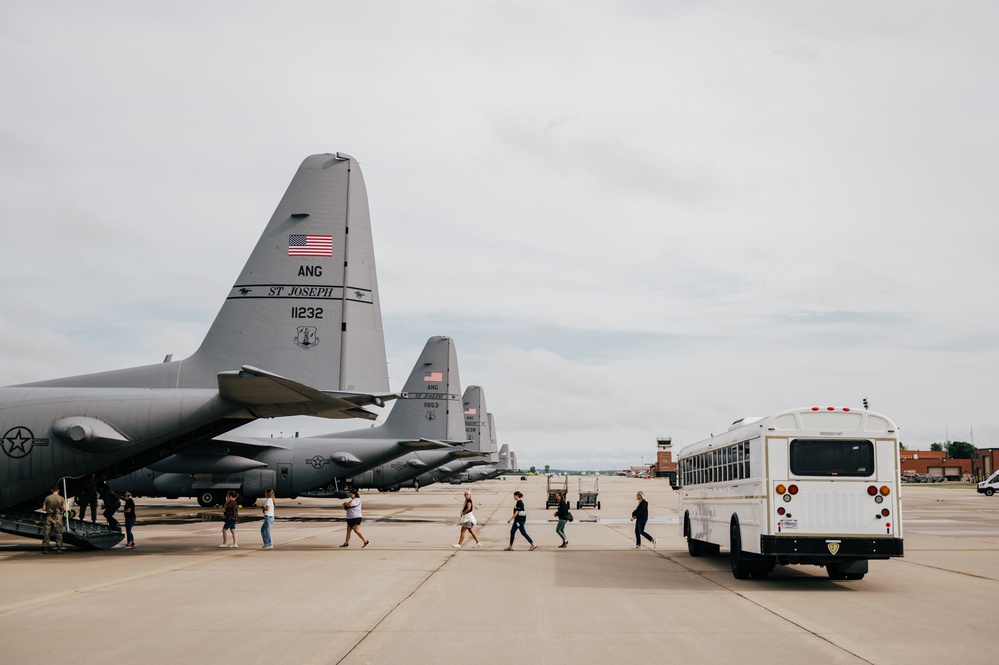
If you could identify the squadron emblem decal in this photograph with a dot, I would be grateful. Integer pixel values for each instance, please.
(307, 337)
(832, 546)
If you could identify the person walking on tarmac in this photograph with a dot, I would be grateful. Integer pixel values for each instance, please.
(231, 515)
(467, 520)
(519, 518)
(563, 516)
(54, 508)
(640, 516)
(129, 512)
(353, 508)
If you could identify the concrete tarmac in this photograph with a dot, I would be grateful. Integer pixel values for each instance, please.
(410, 597)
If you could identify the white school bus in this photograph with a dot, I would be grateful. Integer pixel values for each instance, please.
(815, 485)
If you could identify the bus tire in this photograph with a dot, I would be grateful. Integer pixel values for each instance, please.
(740, 566)
(989, 491)
(697, 547)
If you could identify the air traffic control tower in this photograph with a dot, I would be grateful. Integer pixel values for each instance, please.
(665, 466)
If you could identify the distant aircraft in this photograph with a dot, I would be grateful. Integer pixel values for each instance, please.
(420, 420)
(403, 471)
(299, 334)
(480, 428)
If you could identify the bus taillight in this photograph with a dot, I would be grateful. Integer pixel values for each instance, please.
(793, 489)
(780, 489)
(885, 490)
(884, 512)
(872, 490)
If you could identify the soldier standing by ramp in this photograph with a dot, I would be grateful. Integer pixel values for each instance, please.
(54, 507)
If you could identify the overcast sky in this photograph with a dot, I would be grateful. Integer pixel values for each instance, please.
(636, 219)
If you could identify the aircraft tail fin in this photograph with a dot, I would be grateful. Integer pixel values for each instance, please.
(306, 303)
(430, 407)
(476, 420)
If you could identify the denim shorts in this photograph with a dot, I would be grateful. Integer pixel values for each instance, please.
(229, 524)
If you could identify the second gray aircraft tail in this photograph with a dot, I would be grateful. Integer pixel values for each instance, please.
(431, 405)
(306, 304)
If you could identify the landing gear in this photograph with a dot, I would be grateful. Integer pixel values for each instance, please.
(209, 499)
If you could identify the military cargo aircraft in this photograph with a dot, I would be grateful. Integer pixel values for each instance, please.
(299, 333)
(479, 427)
(420, 420)
(402, 471)
(428, 467)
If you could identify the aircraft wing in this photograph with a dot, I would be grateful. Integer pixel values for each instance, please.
(267, 395)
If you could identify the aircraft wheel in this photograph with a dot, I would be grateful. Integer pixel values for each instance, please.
(207, 499)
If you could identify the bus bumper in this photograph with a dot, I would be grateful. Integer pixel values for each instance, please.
(830, 548)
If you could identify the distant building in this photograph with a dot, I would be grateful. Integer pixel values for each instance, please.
(934, 463)
(665, 466)
(985, 463)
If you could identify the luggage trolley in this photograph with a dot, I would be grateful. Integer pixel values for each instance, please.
(561, 484)
(589, 498)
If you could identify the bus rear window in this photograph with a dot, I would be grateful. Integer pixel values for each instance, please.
(825, 457)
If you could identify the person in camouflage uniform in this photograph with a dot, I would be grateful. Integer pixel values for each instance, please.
(54, 508)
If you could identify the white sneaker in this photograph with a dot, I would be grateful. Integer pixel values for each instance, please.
(653, 543)
(456, 546)
(234, 545)
(476, 545)
(637, 547)
(223, 545)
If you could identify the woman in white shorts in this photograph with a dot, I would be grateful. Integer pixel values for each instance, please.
(467, 521)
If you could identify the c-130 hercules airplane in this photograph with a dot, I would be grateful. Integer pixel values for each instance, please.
(426, 417)
(299, 333)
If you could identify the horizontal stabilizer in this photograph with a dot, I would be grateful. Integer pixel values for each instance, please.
(468, 454)
(253, 442)
(269, 395)
(89, 435)
(426, 444)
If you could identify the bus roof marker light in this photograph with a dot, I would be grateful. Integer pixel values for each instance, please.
(815, 408)
(830, 408)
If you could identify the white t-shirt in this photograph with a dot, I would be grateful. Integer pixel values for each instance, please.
(269, 508)
(354, 511)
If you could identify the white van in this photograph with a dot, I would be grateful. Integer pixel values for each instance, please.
(990, 485)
